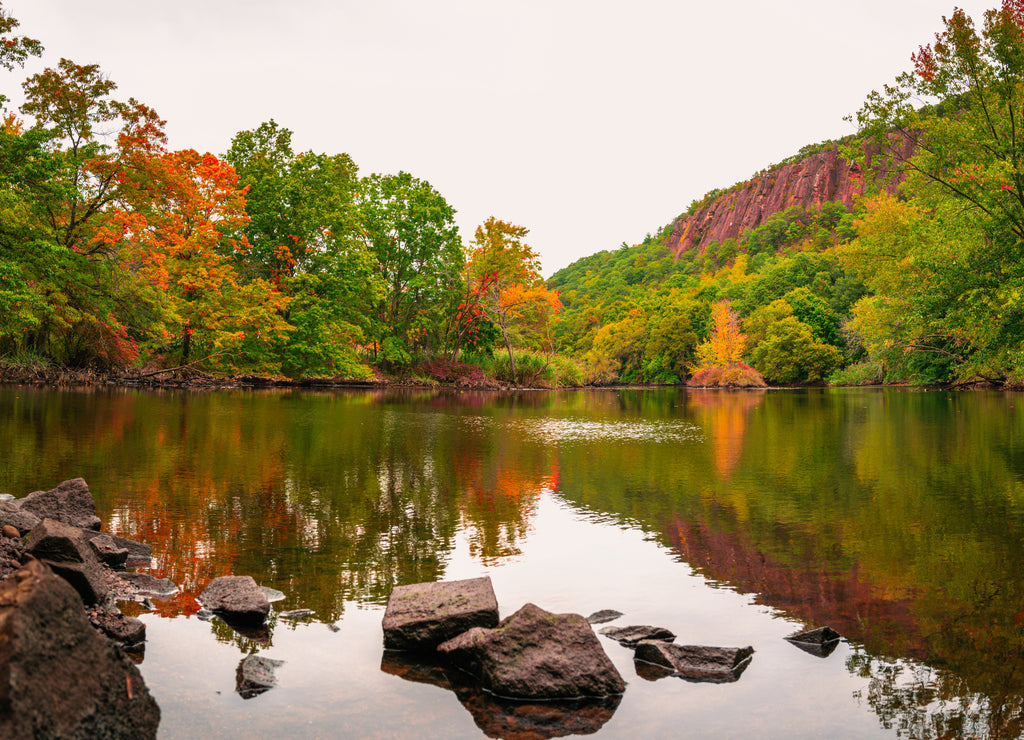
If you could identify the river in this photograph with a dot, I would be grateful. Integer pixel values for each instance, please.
(895, 516)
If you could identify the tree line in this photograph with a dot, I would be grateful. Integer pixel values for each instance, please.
(117, 252)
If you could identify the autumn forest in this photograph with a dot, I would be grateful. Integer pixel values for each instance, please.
(120, 256)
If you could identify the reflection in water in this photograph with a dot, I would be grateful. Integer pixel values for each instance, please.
(895, 517)
(505, 718)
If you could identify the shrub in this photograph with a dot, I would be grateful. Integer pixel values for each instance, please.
(862, 373)
(737, 375)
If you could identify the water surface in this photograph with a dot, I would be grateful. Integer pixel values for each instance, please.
(896, 517)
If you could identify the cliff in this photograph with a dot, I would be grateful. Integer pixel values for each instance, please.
(809, 182)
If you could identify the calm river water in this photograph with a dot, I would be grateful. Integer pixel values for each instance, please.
(731, 518)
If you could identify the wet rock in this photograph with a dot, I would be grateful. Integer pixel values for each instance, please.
(422, 615)
(699, 663)
(504, 718)
(124, 630)
(143, 584)
(819, 642)
(296, 614)
(138, 552)
(57, 674)
(10, 532)
(70, 503)
(535, 654)
(108, 552)
(630, 636)
(11, 515)
(255, 675)
(236, 599)
(604, 615)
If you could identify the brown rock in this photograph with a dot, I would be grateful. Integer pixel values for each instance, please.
(108, 552)
(10, 532)
(236, 598)
(422, 615)
(696, 662)
(58, 677)
(70, 503)
(11, 515)
(54, 540)
(535, 654)
(124, 630)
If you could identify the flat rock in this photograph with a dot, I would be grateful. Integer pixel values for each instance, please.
(11, 515)
(423, 615)
(108, 552)
(236, 598)
(700, 663)
(255, 675)
(143, 584)
(137, 551)
(535, 654)
(122, 629)
(630, 636)
(604, 615)
(70, 503)
(296, 614)
(57, 674)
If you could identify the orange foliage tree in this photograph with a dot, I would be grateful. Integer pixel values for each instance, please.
(720, 356)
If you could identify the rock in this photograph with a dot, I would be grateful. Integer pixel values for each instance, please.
(423, 615)
(12, 552)
(10, 532)
(66, 551)
(143, 584)
(70, 503)
(108, 552)
(236, 598)
(255, 675)
(272, 594)
(696, 662)
(54, 540)
(138, 552)
(505, 718)
(818, 637)
(58, 677)
(820, 642)
(11, 515)
(604, 615)
(124, 630)
(630, 636)
(88, 579)
(296, 614)
(535, 654)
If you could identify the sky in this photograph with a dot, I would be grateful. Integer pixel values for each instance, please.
(591, 123)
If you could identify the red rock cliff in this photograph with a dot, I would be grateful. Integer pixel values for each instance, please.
(810, 182)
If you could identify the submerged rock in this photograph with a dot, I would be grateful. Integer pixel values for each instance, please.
(535, 654)
(70, 503)
(422, 615)
(700, 663)
(236, 598)
(630, 636)
(57, 675)
(604, 615)
(296, 614)
(255, 675)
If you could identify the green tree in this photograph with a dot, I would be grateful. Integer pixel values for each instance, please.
(410, 230)
(791, 354)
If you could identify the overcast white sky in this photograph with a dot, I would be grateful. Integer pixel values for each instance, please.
(589, 122)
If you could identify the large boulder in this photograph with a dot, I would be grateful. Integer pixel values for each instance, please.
(535, 654)
(237, 599)
(58, 677)
(423, 615)
(70, 502)
(700, 663)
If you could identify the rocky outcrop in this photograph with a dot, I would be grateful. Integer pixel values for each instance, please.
(422, 615)
(58, 677)
(810, 182)
(535, 654)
